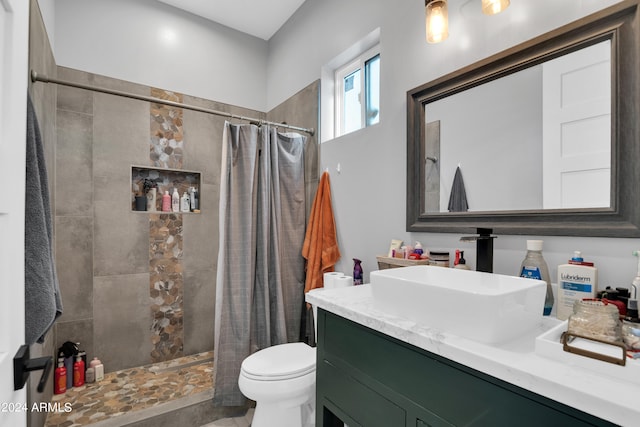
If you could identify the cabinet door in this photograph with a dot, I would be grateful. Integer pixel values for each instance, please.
(363, 405)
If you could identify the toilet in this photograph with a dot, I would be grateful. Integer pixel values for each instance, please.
(282, 381)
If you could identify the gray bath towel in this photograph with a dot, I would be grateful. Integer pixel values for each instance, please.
(42, 294)
(458, 196)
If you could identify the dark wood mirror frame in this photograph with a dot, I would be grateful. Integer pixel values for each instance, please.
(619, 24)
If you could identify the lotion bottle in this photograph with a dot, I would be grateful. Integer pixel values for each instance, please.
(576, 280)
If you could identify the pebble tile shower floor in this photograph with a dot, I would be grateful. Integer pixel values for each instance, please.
(134, 389)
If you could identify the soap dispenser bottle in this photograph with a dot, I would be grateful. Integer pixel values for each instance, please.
(535, 267)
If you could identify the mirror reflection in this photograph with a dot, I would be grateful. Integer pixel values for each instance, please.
(536, 139)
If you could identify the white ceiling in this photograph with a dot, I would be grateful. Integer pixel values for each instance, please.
(260, 18)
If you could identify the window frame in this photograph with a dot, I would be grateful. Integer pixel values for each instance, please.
(358, 63)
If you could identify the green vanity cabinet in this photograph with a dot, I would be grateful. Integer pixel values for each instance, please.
(365, 378)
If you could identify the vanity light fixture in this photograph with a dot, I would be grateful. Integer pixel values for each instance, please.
(437, 20)
(492, 7)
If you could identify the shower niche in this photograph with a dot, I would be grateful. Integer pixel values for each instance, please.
(145, 181)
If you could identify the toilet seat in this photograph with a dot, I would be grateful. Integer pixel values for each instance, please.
(280, 362)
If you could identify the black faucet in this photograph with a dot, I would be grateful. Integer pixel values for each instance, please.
(484, 249)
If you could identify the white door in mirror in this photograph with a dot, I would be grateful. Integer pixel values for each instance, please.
(576, 129)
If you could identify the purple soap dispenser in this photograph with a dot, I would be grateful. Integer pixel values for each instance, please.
(357, 272)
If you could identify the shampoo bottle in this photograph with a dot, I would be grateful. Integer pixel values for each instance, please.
(60, 378)
(576, 280)
(175, 201)
(535, 267)
(78, 372)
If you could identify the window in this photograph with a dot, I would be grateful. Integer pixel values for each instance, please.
(357, 97)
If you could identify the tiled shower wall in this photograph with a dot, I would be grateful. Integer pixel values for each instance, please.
(109, 258)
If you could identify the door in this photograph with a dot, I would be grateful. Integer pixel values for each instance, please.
(14, 31)
(577, 129)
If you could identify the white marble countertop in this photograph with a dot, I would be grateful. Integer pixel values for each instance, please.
(516, 362)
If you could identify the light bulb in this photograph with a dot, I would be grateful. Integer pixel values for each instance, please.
(491, 7)
(437, 20)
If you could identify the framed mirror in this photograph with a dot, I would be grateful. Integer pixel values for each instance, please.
(541, 139)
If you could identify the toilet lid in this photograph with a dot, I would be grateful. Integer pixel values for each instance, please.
(280, 362)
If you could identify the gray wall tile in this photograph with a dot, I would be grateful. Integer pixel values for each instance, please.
(200, 232)
(122, 321)
(74, 247)
(121, 134)
(74, 99)
(121, 244)
(74, 158)
(199, 310)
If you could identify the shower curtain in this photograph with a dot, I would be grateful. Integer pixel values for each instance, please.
(260, 279)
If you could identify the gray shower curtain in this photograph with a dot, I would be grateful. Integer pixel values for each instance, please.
(260, 279)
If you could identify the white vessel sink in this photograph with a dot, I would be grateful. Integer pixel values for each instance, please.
(485, 307)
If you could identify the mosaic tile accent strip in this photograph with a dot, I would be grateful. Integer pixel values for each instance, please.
(166, 286)
(132, 390)
(167, 142)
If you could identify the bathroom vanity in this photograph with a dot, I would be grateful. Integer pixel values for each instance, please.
(377, 369)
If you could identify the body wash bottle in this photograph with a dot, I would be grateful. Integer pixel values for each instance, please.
(535, 267)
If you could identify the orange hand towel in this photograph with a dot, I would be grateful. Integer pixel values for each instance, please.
(320, 247)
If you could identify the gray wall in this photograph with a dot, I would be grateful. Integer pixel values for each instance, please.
(149, 42)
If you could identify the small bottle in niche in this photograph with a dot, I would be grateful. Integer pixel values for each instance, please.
(185, 206)
(166, 202)
(175, 201)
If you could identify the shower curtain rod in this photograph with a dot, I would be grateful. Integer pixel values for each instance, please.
(35, 77)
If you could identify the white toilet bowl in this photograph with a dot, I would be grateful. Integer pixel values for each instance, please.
(281, 379)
